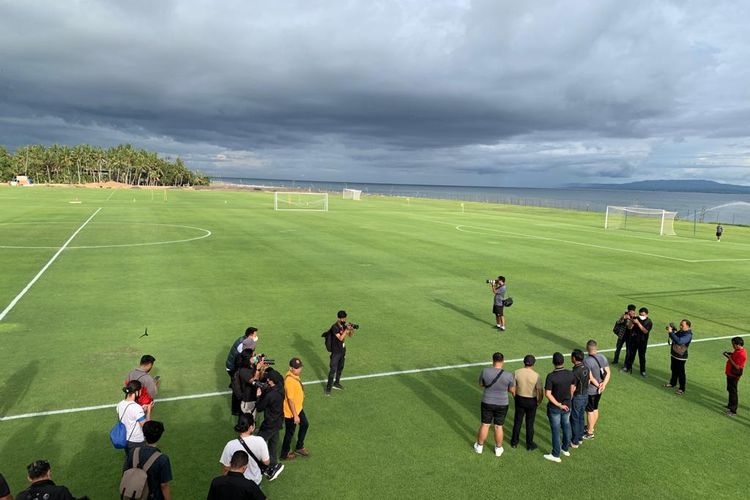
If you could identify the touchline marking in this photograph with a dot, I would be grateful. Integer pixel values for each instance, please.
(46, 266)
(311, 382)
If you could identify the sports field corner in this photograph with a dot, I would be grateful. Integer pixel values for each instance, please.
(200, 266)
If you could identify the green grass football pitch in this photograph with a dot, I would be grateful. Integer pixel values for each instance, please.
(201, 266)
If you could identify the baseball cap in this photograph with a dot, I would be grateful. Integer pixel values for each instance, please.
(295, 363)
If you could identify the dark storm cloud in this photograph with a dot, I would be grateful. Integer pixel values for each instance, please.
(449, 91)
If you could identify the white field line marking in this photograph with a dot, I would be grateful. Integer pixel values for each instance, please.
(110, 195)
(46, 266)
(206, 234)
(514, 234)
(311, 382)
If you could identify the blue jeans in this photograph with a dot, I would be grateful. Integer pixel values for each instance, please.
(558, 418)
(577, 417)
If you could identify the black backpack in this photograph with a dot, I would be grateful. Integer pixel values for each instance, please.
(328, 336)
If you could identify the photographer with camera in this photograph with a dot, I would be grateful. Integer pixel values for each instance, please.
(246, 377)
(679, 339)
(498, 306)
(336, 345)
(271, 402)
(642, 326)
(733, 369)
(623, 328)
(238, 346)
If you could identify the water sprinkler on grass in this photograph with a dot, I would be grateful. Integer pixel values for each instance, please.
(145, 334)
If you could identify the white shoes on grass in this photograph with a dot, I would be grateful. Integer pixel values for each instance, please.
(479, 448)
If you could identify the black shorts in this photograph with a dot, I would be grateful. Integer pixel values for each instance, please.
(593, 403)
(496, 309)
(494, 414)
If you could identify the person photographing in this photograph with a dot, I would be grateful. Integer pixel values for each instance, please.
(336, 345)
(679, 340)
(498, 306)
(734, 368)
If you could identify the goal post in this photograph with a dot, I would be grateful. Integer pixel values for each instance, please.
(300, 202)
(640, 219)
(352, 194)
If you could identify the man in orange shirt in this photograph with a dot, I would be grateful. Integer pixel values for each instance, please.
(735, 365)
(294, 414)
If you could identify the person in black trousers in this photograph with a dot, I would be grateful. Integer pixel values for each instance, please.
(642, 326)
(271, 403)
(623, 329)
(680, 340)
(528, 397)
(338, 332)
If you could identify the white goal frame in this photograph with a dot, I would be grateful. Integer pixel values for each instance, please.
(352, 194)
(321, 205)
(666, 218)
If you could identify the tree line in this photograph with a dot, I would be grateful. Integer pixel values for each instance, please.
(83, 163)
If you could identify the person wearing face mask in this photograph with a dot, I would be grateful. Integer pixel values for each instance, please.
(642, 326)
(132, 415)
(338, 333)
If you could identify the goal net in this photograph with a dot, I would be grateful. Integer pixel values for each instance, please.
(352, 194)
(652, 220)
(309, 202)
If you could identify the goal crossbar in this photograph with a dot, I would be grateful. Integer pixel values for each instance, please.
(352, 194)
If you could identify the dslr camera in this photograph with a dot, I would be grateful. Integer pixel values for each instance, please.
(491, 282)
(262, 359)
(353, 326)
(263, 386)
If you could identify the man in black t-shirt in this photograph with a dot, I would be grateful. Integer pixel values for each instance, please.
(271, 403)
(160, 472)
(559, 388)
(642, 326)
(4, 489)
(42, 486)
(234, 485)
(338, 332)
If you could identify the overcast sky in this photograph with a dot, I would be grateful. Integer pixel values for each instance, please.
(490, 92)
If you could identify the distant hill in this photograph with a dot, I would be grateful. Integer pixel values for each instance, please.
(692, 186)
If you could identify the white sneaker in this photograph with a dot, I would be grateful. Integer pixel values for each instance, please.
(499, 451)
(499, 326)
(552, 458)
(502, 328)
(478, 448)
(566, 453)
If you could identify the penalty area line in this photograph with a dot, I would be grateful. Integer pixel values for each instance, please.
(46, 266)
(314, 382)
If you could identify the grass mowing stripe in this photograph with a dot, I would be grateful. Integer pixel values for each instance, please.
(46, 266)
(312, 382)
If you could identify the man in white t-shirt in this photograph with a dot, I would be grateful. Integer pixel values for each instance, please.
(257, 445)
(131, 414)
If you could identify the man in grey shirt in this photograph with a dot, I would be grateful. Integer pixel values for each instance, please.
(497, 383)
(599, 374)
(498, 306)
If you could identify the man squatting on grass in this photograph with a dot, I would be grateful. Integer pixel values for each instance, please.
(497, 383)
(498, 290)
(733, 369)
(599, 375)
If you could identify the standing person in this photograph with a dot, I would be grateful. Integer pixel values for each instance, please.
(680, 340)
(642, 326)
(733, 369)
(599, 375)
(4, 489)
(149, 384)
(497, 384)
(719, 232)
(623, 328)
(132, 415)
(231, 363)
(234, 485)
(559, 388)
(159, 473)
(580, 398)
(39, 474)
(337, 337)
(529, 395)
(271, 403)
(294, 413)
(498, 306)
(255, 446)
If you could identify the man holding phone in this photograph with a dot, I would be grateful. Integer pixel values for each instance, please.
(733, 369)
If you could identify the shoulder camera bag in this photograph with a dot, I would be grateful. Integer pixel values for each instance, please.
(508, 302)
(261, 465)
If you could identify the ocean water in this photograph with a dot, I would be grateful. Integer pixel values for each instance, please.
(707, 207)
